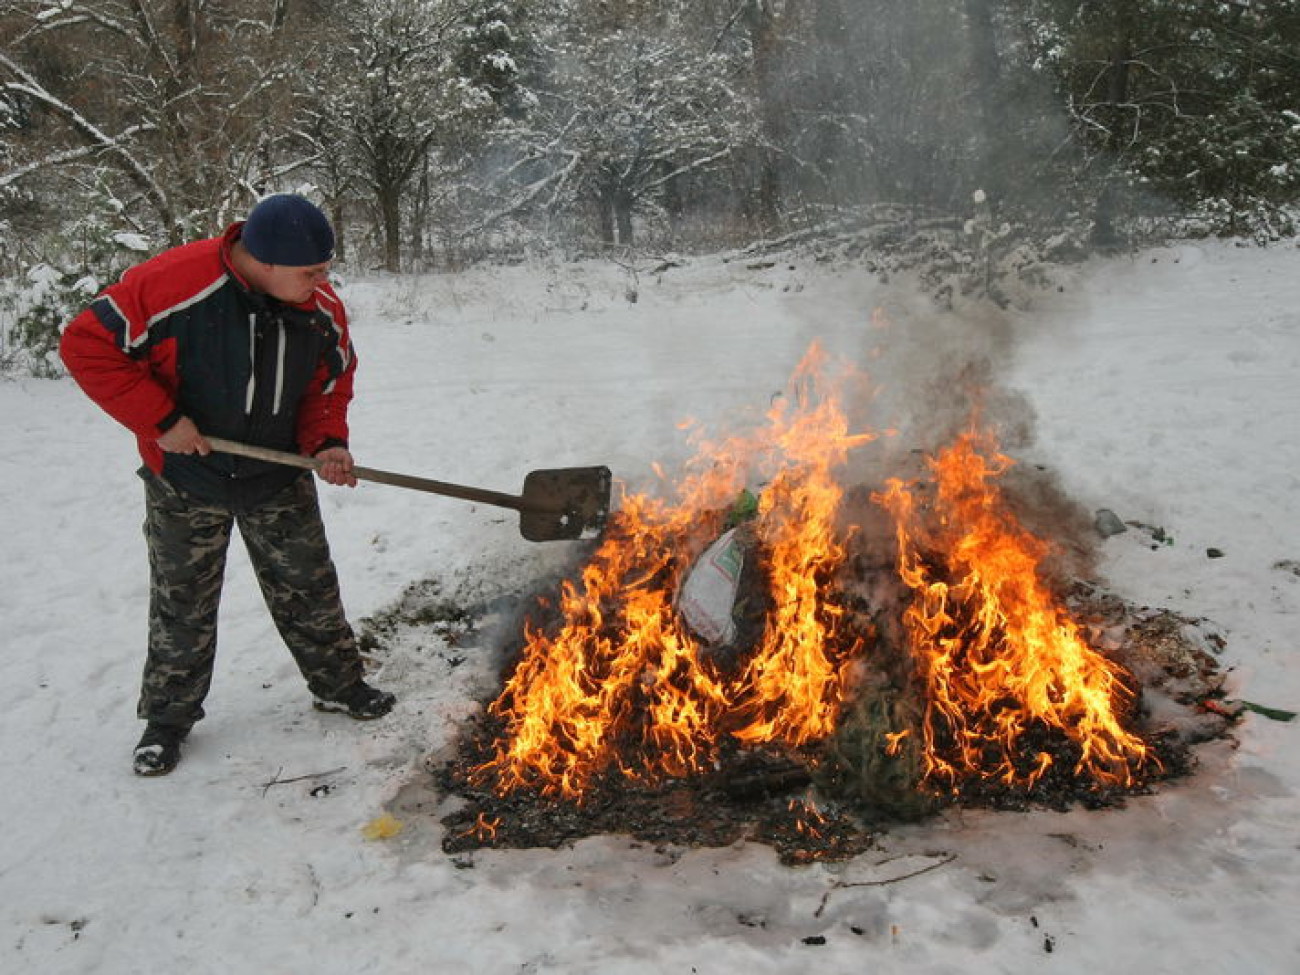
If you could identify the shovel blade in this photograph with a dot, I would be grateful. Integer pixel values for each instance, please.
(564, 503)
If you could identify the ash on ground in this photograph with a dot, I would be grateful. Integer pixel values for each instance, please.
(761, 796)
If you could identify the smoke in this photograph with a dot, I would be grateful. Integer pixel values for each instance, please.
(930, 374)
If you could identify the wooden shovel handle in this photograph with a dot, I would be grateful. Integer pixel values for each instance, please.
(426, 484)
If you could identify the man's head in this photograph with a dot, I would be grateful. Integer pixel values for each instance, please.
(293, 244)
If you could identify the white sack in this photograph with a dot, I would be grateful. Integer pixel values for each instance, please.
(708, 595)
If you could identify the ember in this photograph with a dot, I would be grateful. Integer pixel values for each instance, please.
(973, 682)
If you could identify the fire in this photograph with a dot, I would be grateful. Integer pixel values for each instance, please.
(793, 684)
(808, 819)
(618, 684)
(622, 683)
(483, 829)
(997, 654)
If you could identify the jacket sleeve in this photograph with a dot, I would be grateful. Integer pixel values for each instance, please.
(323, 410)
(107, 350)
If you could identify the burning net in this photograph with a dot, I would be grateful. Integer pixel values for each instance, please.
(612, 683)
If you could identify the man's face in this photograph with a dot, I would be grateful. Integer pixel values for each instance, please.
(294, 285)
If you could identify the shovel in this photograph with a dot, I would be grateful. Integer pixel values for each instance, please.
(565, 503)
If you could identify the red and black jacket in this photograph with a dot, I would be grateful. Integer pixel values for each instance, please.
(182, 335)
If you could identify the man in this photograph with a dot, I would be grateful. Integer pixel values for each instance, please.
(239, 336)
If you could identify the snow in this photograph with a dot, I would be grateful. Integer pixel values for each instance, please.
(133, 242)
(1159, 384)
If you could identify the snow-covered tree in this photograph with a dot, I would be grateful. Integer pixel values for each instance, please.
(425, 122)
(858, 102)
(412, 85)
(184, 102)
(1193, 101)
(629, 112)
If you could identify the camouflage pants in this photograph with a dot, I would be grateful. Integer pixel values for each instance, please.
(286, 544)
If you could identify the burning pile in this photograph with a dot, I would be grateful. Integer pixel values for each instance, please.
(970, 682)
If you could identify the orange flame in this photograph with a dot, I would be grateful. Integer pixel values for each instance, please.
(996, 652)
(619, 683)
(793, 685)
(483, 829)
(808, 819)
(622, 683)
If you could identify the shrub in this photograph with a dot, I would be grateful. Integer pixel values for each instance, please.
(34, 310)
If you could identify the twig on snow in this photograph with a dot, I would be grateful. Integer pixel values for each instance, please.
(882, 883)
(276, 780)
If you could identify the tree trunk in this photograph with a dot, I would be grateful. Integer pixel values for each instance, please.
(761, 20)
(987, 77)
(623, 216)
(605, 217)
(340, 229)
(423, 193)
(614, 206)
(1114, 116)
(390, 214)
(672, 202)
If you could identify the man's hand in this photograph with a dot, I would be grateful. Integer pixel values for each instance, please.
(336, 466)
(183, 437)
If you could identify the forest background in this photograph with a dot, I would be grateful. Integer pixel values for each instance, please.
(973, 137)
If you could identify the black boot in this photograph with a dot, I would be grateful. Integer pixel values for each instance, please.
(159, 750)
(360, 701)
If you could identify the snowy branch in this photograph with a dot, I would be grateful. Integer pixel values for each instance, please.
(73, 17)
(529, 194)
(731, 22)
(150, 33)
(51, 161)
(97, 139)
(688, 168)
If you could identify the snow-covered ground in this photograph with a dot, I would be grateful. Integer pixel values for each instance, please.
(1162, 385)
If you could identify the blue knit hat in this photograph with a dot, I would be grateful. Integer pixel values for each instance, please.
(288, 229)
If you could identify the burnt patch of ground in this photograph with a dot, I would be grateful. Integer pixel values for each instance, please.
(800, 802)
(758, 795)
(826, 801)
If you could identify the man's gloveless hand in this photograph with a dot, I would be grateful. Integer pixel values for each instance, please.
(336, 466)
(183, 437)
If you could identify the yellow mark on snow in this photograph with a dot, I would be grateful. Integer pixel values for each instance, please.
(383, 827)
